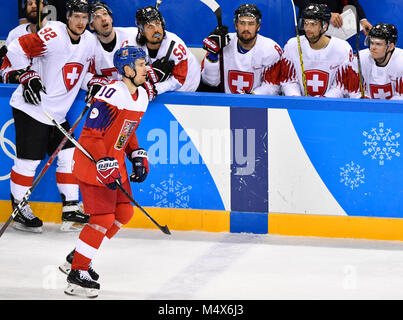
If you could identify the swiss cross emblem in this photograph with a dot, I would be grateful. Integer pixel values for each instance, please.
(316, 82)
(381, 91)
(240, 82)
(71, 74)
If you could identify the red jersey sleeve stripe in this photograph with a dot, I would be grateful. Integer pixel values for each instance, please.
(180, 71)
(32, 45)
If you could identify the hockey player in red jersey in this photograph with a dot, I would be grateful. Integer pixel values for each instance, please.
(251, 61)
(321, 56)
(174, 67)
(381, 68)
(109, 136)
(62, 54)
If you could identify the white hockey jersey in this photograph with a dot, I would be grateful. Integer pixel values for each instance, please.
(378, 82)
(62, 66)
(186, 72)
(17, 32)
(320, 66)
(104, 60)
(257, 70)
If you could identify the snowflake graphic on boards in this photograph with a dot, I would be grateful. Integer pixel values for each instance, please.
(381, 144)
(171, 193)
(352, 175)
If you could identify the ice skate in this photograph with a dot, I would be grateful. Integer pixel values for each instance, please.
(80, 283)
(73, 218)
(66, 267)
(25, 220)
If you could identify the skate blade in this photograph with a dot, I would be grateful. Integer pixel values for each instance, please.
(76, 290)
(65, 268)
(21, 227)
(70, 226)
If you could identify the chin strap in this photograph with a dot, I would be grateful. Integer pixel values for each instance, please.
(132, 78)
(320, 35)
(387, 56)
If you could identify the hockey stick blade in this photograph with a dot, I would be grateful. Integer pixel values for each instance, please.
(24, 199)
(88, 155)
(215, 7)
(164, 229)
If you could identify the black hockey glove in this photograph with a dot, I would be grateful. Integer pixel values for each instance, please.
(160, 70)
(151, 91)
(139, 159)
(11, 76)
(217, 40)
(32, 86)
(94, 85)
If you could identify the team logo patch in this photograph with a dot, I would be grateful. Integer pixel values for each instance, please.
(94, 113)
(71, 74)
(125, 132)
(381, 91)
(316, 82)
(240, 82)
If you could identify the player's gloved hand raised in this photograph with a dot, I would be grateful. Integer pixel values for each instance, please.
(217, 40)
(32, 86)
(151, 90)
(160, 70)
(139, 159)
(108, 172)
(94, 85)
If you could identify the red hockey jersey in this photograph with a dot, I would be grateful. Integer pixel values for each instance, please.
(109, 130)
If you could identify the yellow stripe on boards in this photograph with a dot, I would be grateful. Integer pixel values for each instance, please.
(336, 226)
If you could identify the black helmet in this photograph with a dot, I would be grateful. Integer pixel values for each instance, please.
(96, 5)
(77, 6)
(317, 11)
(146, 15)
(385, 31)
(248, 10)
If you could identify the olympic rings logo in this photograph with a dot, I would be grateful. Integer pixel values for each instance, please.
(3, 142)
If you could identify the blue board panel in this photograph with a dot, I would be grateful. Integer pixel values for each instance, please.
(357, 155)
(249, 168)
(252, 222)
(178, 177)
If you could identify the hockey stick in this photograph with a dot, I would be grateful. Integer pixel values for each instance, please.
(215, 7)
(358, 54)
(157, 4)
(38, 13)
(299, 49)
(24, 199)
(81, 148)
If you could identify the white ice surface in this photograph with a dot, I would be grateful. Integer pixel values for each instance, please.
(149, 265)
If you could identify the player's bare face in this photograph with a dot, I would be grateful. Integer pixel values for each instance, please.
(154, 32)
(32, 11)
(102, 22)
(312, 30)
(78, 22)
(377, 48)
(247, 29)
(141, 71)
